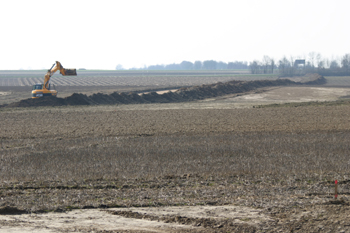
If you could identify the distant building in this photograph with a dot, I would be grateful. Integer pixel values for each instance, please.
(299, 62)
(299, 67)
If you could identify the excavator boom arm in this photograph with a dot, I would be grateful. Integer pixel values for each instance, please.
(53, 69)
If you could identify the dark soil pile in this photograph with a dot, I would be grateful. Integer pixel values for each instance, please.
(308, 79)
(316, 79)
(46, 101)
(181, 95)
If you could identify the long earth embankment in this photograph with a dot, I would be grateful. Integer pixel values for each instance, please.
(181, 95)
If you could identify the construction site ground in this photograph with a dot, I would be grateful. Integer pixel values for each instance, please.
(223, 164)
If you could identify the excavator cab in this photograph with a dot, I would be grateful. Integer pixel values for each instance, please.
(38, 86)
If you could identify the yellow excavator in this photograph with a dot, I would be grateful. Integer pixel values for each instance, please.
(46, 89)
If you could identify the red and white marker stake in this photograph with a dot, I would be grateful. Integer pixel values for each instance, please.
(336, 189)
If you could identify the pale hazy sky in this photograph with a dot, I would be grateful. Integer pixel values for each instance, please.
(103, 33)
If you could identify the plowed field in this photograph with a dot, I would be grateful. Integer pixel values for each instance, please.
(126, 78)
(214, 165)
(279, 163)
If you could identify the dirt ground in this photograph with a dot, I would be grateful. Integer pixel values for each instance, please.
(165, 95)
(229, 167)
(281, 95)
(16, 93)
(149, 219)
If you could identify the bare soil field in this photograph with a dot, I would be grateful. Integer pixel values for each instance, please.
(16, 85)
(280, 95)
(184, 94)
(127, 78)
(12, 88)
(214, 165)
(113, 169)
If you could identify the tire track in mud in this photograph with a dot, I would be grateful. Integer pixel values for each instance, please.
(205, 218)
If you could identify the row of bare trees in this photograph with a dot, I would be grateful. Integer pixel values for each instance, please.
(266, 66)
(201, 65)
(286, 66)
(313, 63)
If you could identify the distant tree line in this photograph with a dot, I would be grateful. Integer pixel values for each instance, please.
(199, 65)
(314, 63)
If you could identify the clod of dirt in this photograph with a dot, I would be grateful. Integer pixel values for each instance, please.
(338, 202)
(11, 210)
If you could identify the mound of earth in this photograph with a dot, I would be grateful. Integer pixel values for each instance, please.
(181, 95)
(47, 101)
(309, 79)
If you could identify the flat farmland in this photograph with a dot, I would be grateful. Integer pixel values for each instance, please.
(124, 78)
(338, 81)
(141, 78)
(215, 165)
(149, 168)
(16, 85)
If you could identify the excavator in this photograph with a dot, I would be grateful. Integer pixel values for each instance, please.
(46, 89)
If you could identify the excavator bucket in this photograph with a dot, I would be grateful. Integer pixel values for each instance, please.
(68, 72)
